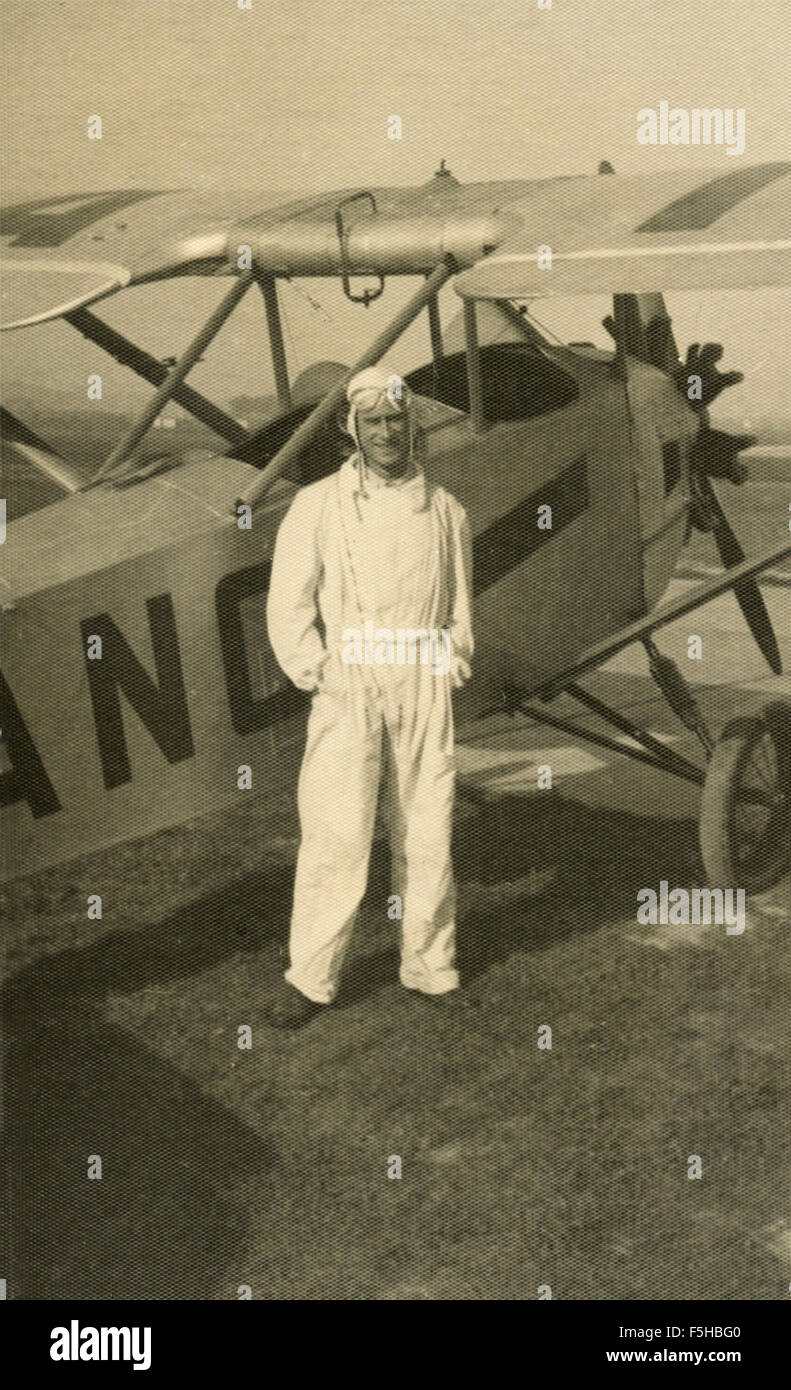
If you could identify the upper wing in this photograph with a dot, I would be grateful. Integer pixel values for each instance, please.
(35, 290)
(677, 230)
(62, 253)
(646, 233)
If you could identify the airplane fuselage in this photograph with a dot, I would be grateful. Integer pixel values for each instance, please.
(138, 682)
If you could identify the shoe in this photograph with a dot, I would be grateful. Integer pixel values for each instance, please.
(449, 999)
(293, 1010)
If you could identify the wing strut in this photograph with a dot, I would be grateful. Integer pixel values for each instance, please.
(19, 433)
(175, 377)
(128, 354)
(435, 329)
(327, 407)
(26, 446)
(474, 383)
(268, 286)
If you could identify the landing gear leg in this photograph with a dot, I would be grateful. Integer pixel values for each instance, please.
(678, 694)
(745, 814)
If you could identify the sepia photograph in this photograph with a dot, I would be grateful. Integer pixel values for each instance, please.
(395, 660)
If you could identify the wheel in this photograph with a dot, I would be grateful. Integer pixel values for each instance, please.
(745, 814)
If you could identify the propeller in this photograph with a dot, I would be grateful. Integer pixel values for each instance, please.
(710, 515)
(715, 453)
(641, 326)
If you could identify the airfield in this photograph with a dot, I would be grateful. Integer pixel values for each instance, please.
(267, 1169)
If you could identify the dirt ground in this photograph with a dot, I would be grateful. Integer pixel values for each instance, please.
(520, 1167)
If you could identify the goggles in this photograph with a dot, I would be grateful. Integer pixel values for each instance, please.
(396, 393)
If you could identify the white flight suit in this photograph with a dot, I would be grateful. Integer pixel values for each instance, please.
(399, 554)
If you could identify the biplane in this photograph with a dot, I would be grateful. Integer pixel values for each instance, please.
(136, 675)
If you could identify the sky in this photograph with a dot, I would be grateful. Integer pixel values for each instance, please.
(297, 95)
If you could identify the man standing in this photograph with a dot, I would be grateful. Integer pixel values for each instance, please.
(374, 548)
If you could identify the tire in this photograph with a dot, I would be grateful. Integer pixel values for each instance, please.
(746, 842)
